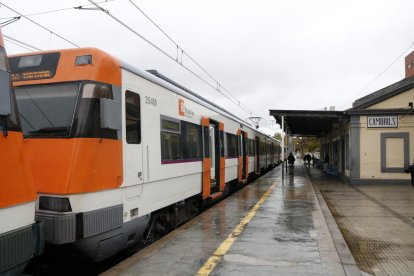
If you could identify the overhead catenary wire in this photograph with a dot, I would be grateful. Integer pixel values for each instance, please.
(165, 53)
(382, 72)
(219, 86)
(41, 26)
(21, 43)
(10, 21)
(57, 10)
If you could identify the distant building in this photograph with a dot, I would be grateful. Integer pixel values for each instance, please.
(381, 134)
(373, 141)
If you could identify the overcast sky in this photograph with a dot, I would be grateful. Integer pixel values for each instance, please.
(269, 54)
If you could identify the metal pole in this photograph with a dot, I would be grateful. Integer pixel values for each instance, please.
(283, 138)
(283, 146)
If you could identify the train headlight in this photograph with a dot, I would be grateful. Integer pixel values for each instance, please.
(56, 204)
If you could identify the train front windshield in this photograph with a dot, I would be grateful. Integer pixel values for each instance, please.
(47, 110)
(63, 109)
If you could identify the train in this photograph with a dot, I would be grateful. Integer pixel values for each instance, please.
(20, 235)
(120, 155)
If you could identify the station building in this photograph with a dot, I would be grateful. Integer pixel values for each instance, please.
(373, 141)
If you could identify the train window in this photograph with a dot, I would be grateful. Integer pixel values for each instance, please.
(221, 143)
(250, 147)
(170, 146)
(47, 110)
(232, 145)
(97, 91)
(170, 125)
(170, 139)
(133, 118)
(191, 140)
(254, 147)
(30, 61)
(206, 137)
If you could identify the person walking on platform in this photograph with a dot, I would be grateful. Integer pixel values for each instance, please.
(291, 162)
(307, 159)
(410, 169)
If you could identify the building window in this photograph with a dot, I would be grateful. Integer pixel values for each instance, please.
(133, 118)
(394, 152)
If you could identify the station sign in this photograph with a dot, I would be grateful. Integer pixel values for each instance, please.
(382, 121)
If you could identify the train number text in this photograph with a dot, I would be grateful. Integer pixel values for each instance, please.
(151, 101)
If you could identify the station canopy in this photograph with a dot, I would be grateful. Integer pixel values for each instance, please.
(309, 122)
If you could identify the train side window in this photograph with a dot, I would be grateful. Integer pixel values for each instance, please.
(206, 139)
(251, 147)
(221, 143)
(170, 146)
(232, 145)
(133, 118)
(170, 139)
(191, 140)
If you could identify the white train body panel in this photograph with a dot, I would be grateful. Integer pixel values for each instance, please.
(17, 216)
(166, 184)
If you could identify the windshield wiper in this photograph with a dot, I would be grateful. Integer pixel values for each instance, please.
(49, 130)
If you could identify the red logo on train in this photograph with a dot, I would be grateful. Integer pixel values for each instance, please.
(181, 107)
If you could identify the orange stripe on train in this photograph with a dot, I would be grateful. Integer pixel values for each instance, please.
(16, 184)
(77, 165)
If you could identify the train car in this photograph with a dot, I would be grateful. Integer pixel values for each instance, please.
(20, 235)
(120, 155)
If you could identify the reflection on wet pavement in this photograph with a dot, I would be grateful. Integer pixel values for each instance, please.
(285, 237)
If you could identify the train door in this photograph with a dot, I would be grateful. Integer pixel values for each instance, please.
(132, 150)
(213, 159)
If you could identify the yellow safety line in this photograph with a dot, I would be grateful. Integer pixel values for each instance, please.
(211, 263)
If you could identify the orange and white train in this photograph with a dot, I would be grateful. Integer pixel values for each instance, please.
(20, 235)
(120, 155)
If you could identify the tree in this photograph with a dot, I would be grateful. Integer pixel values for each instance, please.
(306, 144)
(278, 136)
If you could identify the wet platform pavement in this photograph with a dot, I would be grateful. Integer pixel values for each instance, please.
(274, 226)
(377, 222)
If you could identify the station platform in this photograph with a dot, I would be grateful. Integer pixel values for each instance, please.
(274, 226)
(377, 222)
